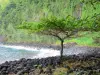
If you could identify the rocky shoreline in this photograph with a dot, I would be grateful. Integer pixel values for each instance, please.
(23, 65)
(29, 66)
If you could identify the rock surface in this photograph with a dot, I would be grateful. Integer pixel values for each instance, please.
(28, 66)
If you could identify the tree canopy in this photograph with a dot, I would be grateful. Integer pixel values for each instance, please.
(58, 27)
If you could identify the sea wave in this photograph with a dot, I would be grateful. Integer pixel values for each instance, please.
(43, 52)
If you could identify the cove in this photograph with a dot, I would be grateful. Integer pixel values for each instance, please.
(11, 53)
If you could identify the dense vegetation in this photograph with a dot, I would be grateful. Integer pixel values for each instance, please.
(15, 12)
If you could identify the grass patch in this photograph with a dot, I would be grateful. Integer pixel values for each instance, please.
(86, 39)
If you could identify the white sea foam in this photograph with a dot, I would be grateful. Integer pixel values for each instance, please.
(43, 52)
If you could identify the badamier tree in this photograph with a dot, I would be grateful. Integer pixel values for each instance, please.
(60, 28)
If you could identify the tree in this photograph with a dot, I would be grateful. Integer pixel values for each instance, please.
(60, 28)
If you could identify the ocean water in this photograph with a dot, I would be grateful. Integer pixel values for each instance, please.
(10, 53)
(13, 52)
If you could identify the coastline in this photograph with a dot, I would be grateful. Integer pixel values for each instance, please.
(42, 52)
(47, 66)
(47, 50)
(69, 48)
(22, 66)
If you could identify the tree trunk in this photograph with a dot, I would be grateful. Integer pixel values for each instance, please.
(61, 52)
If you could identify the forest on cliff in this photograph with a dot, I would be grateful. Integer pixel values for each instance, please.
(16, 12)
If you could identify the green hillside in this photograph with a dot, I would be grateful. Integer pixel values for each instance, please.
(15, 12)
